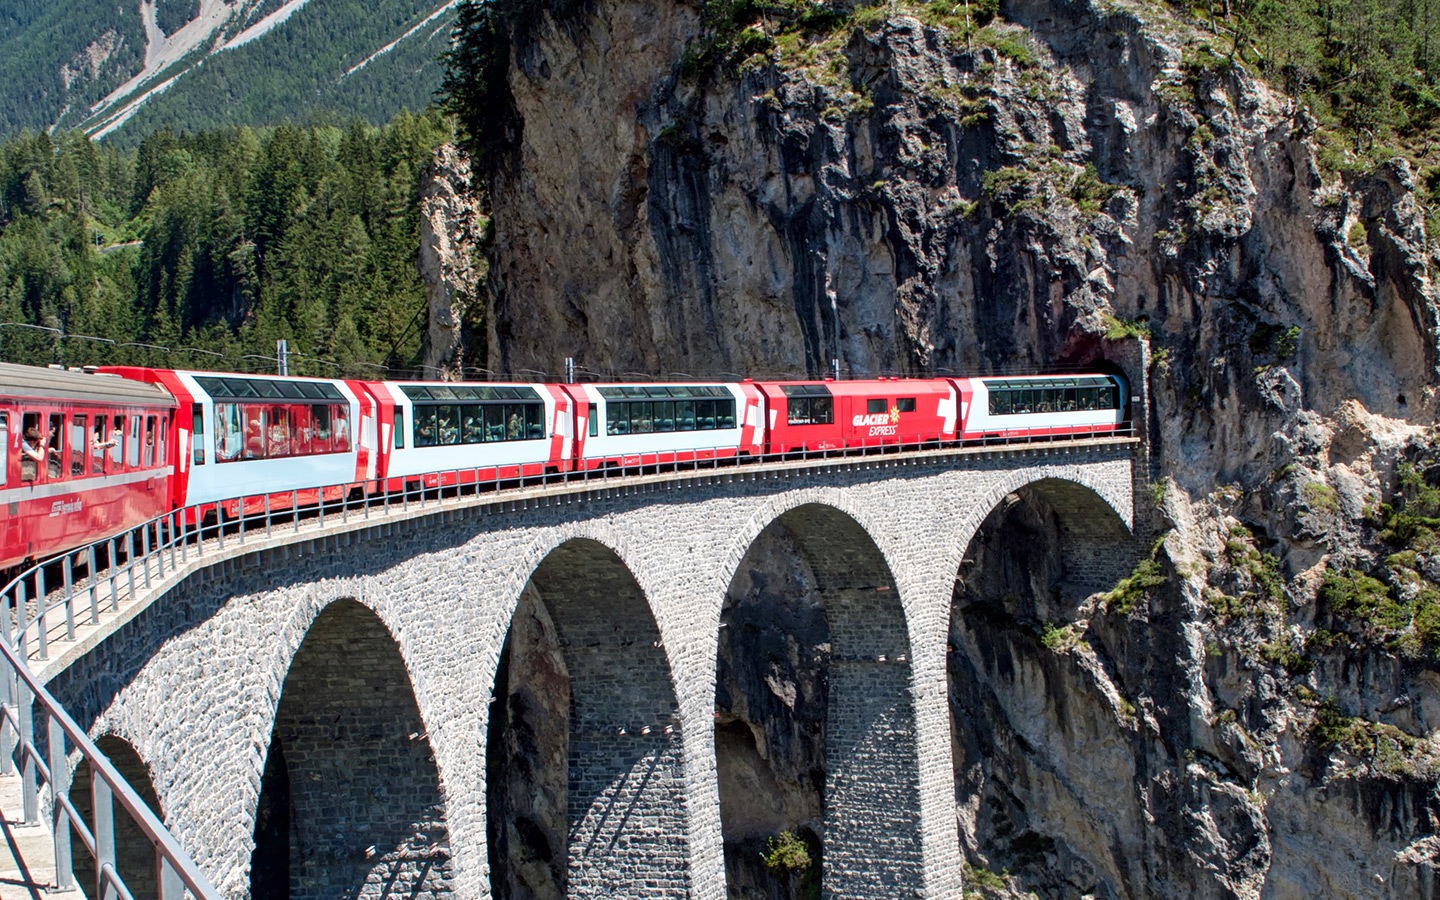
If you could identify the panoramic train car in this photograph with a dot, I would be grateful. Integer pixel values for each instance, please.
(623, 425)
(1043, 406)
(84, 457)
(251, 435)
(441, 433)
(814, 416)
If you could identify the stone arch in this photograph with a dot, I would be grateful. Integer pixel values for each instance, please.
(603, 730)
(849, 663)
(134, 854)
(1072, 522)
(350, 801)
(1037, 725)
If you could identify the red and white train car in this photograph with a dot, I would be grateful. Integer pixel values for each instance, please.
(258, 435)
(85, 457)
(1042, 406)
(814, 416)
(435, 434)
(628, 425)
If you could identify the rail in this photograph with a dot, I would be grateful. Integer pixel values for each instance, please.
(53, 594)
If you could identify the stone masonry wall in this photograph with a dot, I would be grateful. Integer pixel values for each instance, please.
(195, 680)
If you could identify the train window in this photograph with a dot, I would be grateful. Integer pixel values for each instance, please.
(32, 447)
(322, 435)
(148, 457)
(615, 416)
(906, 404)
(79, 430)
(494, 422)
(875, 406)
(4, 448)
(132, 443)
(534, 421)
(425, 425)
(1107, 397)
(449, 432)
(278, 432)
(594, 425)
(197, 433)
(100, 441)
(229, 431)
(117, 443)
(302, 430)
(57, 446)
(161, 437)
(340, 428)
(399, 428)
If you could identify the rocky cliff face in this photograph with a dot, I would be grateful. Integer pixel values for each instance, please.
(1252, 714)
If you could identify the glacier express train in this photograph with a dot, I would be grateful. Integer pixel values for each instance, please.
(87, 455)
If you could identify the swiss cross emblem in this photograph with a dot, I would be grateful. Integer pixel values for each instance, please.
(895, 415)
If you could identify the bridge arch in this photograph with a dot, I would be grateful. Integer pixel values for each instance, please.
(585, 766)
(350, 802)
(814, 687)
(134, 854)
(1031, 697)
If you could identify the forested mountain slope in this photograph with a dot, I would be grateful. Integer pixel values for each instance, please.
(124, 69)
(218, 242)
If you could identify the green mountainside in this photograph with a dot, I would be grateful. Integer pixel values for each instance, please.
(205, 248)
(212, 63)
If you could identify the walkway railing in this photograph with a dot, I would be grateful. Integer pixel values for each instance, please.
(43, 603)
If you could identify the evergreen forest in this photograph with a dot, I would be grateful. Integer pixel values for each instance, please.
(202, 249)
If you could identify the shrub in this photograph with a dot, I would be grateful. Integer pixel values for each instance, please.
(1138, 584)
(786, 854)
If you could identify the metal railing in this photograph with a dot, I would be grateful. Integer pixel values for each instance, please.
(44, 601)
(22, 699)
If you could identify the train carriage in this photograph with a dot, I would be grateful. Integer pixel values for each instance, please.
(442, 433)
(816, 416)
(85, 457)
(257, 435)
(1044, 406)
(628, 425)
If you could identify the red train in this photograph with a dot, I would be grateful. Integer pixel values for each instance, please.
(89, 455)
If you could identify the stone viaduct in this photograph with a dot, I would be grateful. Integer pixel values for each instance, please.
(323, 707)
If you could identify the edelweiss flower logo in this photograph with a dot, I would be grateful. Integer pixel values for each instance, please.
(895, 415)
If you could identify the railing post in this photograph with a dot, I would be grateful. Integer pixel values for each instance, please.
(30, 784)
(22, 621)
(94, 589)
(145, 554)
(59, 787)
(67, 569)
(171, 887)
(295, 511)
(7, 698)
(104, 831)
(267, 515)
(114, 563)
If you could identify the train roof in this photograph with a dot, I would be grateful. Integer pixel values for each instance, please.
(34, 383)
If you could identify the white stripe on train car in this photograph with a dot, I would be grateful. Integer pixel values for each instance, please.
(75, 485)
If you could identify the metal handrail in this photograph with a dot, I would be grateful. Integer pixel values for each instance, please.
(23, 696)
(136, 559)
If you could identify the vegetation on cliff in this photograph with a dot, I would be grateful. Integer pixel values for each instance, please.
(218, 242)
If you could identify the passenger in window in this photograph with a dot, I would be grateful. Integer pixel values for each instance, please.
(512, 428)
(472, 433)
(32, 454)
(279, 433)
(98, 442)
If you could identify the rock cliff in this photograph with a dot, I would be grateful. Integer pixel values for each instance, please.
(899, 188)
